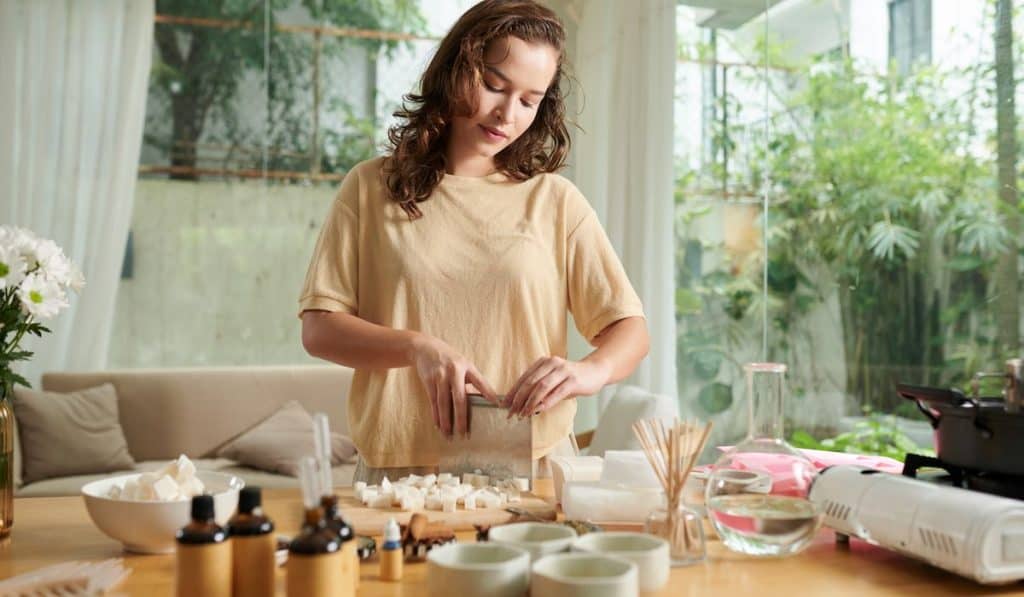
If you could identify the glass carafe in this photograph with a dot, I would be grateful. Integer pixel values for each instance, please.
(757, 491)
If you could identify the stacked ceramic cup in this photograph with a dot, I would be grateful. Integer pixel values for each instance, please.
(535, 557)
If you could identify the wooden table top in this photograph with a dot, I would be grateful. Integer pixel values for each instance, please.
(47, 531)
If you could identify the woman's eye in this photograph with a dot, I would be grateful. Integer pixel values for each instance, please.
(491, 87)
(526, 104)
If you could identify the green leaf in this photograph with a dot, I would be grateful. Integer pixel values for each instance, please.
(965, 263)
(802, 439)
(715, 398)
(688, 302)
(706, 363)
(886, 240)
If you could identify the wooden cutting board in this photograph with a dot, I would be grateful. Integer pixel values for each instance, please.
(370, 521)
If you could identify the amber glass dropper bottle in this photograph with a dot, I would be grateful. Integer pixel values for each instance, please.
(252, 546)
(329, 501)
(203, 554)
(315, 566)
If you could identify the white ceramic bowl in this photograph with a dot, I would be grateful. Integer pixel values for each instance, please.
(649, 553)
(583, 575)
(538, 538)
(478, 569)
(150, 526)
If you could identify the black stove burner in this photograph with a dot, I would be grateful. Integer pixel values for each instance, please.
(1010, 486)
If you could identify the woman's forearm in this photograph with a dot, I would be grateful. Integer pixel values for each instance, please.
(620, 348)
(354, 342)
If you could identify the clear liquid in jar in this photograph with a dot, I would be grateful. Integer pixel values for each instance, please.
(764, 525)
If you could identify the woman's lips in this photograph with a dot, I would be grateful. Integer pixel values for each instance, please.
(492, 134)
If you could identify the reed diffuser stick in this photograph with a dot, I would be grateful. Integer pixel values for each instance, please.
(672, 451)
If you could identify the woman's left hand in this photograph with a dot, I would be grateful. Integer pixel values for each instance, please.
(553, 379)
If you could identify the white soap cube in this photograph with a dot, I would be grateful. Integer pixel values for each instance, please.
(145, 492)
(522, 483)
(186, 469)
(441, 478)
(368, 495)
(170, 469)
(448, 505)
(191, 488)
(433, 503)
(469, 502)
(380, 501)
(131, 487)
(467, 478)
(359, 487)
(428, 481)
(411, 502)
(385, 485)
(165, 488)
(487, 500)
(412, 479)
(481, 481)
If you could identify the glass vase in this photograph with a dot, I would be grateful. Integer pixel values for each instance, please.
(6, 464)
(757, 491)
(683, 529)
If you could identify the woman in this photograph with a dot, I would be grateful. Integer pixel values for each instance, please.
(453, 260)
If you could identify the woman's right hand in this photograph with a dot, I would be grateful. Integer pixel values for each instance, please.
(445, 373)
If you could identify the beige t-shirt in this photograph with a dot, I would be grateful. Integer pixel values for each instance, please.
(492, 268)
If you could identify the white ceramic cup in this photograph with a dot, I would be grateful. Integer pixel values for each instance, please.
(583, 575)
(478, 569)
(649, 553)
(538, 538)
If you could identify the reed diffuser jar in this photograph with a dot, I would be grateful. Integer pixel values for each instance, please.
(672, 452)
(683, 529)
(757, 491)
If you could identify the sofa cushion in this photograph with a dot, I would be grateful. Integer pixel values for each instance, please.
(630, 403)
(278, 442)
(70, 434)
(194, 411)
(72, 485)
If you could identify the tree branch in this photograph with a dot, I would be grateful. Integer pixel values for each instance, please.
(168, 44)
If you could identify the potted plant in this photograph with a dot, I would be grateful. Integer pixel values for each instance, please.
(35, 277)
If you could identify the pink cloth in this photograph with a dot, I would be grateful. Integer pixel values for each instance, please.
(787, 476)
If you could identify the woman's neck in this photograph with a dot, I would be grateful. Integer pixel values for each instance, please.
(470, 165)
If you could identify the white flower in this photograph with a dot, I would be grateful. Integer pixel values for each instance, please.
(52, 263)
(21, 240)
(76, 280)
(41, 298)
(12, 267)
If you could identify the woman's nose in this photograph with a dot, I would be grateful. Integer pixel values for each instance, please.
(504, 112)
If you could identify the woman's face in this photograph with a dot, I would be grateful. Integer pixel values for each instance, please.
(516, 76)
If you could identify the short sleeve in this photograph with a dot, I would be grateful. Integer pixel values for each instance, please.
(332, 278)
(599, 290)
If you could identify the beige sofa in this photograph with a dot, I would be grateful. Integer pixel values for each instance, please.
(194, 411)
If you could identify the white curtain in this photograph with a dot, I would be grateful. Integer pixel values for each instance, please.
(624, 56)
(72, 105)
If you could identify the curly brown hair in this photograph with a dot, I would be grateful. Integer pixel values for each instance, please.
(416, 161)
